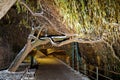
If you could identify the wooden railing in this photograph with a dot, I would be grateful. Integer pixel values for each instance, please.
(96, 72)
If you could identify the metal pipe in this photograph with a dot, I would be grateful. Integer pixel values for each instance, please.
(97, 74)
(77, 55)
(73, 54)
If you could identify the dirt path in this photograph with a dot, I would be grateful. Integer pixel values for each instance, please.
(52, 69)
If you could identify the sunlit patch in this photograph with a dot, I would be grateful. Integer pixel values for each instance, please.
(47, 60)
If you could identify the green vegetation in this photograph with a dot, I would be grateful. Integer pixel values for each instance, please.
(90, 18)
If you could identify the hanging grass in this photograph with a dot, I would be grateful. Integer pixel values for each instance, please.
(91, 18)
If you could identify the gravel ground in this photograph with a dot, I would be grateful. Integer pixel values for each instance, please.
(6, 75)
(28, 75)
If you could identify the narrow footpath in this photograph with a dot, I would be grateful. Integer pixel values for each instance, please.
(51, 68)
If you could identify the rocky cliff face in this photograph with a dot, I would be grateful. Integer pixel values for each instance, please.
(13, 36)
(100, 54)
(6, 55)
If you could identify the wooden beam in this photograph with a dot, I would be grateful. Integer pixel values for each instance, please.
(5, 5)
